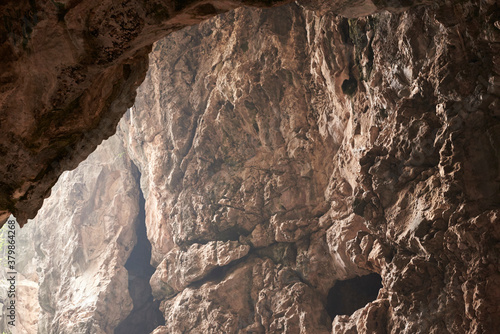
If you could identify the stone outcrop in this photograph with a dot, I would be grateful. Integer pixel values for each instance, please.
(69, 72)
(332, 148)
(281, 152)
(181, 268)
(84, 235)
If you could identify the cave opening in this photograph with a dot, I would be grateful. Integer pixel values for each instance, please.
(146, 315)
(347, 296)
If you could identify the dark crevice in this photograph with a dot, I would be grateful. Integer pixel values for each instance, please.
(350, 86)
(145, 315)
(280, 253)
(232, 233)
(352, 294)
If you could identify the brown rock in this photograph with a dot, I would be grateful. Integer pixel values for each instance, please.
(310, 148)
(179, 268)
(69, 72)
(334, 148)
(253, 297)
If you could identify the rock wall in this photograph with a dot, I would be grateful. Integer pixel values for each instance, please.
(282, 153)
(284, 150)
(69, 72)
(91, 274)
(84, 235)
(70, 69)
(26, 280)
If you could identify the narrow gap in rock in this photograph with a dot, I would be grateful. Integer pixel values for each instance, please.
(347, 296)
(146, 315)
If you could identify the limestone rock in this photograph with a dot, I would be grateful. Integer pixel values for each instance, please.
(26, 289)
(84, 235)
(333, 148)
(282, 151)
(179, 268)
(69, 72)
(254, 297)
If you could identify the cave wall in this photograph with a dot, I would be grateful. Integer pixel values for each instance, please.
(69, 71)
(282, 150)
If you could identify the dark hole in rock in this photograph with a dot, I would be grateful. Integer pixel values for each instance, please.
(217, 274)
(350, 86)
(352, 294)
(146, 315)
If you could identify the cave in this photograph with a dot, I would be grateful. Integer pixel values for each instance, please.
(279, 148)
(146, 315)
(349, 295)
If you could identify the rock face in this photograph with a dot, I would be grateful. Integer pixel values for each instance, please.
(321, 148)
(92, 276)
(181, 268)
(283, 153)
(84, 235)
(26, 280)
(69, 72)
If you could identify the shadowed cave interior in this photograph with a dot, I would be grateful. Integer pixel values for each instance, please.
(349, 295)
(145, 316)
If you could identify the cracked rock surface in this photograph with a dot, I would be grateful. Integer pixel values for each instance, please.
(83, 236)
(332, 148)
(69, 70)
(281, 151)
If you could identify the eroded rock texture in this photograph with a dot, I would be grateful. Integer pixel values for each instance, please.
(69, 70)
(26, 280)
(280, 152)
(314, 148)
(84, 235)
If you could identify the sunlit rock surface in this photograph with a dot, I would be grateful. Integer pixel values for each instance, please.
(92, 274)
(26, 280)
(84, 235)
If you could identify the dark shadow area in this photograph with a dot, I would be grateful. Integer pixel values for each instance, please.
(350, 86)
(146, 315)
(352, 294)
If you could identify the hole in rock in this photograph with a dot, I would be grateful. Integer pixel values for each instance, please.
(145, 315)
(352, 294)
(350, 86)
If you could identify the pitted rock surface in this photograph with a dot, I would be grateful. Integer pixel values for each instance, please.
(282, 150)
(333, 147)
